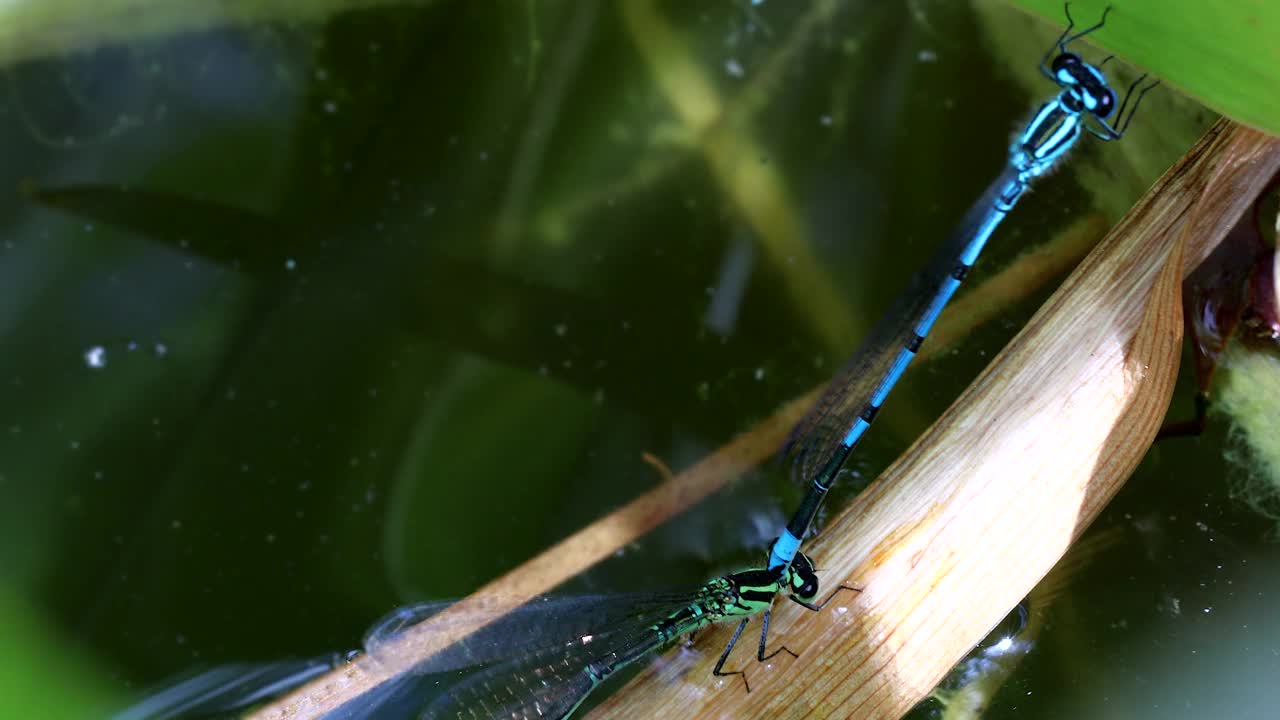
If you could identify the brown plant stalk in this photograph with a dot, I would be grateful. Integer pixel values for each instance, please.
(980, 508)
(599, 540)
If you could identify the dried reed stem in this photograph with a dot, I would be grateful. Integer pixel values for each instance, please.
(960, 528)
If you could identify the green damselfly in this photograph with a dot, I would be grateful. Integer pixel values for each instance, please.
(540, 660)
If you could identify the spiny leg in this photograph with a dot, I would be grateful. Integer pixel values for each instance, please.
(1062, 44)
(1133, 110)
(764, 639)
(1058, 46)
(1127, 95)
(1111, 132)
(832, 596)
(719, 668)
(764, 632)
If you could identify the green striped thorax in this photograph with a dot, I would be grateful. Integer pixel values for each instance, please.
(751, 591)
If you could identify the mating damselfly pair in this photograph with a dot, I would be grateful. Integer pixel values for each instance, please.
(542, 660)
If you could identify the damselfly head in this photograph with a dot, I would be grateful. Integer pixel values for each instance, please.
(802, 579)
(1086, 87)
(1065, 66)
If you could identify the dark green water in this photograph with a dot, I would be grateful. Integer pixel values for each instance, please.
(299, 322)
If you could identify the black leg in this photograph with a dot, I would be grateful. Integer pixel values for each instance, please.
(719, 669)
(764, 631)
(1066, 38)
(1110, 132)
(1062, 44)
(1128, 94)
(832, 596)
(1058, 46)
(1133, 110)
(764, 639)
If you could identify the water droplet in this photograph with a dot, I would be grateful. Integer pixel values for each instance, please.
(96, 357)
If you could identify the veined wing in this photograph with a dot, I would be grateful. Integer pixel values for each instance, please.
(551, 682)
(544, 623)
(540, 628)
(820, 434)
(227, 689)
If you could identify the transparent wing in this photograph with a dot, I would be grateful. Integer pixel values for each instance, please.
(550, 682)
(527, 658)
(226, 689)
(818, 436)
(544, 685)
(542, 624)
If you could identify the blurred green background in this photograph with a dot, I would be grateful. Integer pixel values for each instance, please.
(308, 314)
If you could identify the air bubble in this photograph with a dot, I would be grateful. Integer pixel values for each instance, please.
(95, 357)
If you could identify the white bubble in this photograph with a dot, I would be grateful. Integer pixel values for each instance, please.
(96, 357)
